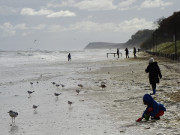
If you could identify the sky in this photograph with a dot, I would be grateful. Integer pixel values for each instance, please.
(72, 24)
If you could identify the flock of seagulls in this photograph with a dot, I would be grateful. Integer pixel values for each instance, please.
(14, 114)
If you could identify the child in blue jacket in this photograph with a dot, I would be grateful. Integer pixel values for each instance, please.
(154, 109)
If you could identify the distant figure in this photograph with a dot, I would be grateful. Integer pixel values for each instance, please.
(118, 52)
(154, 109)
(138, 49)
(154, 74)
(69, 57)
(134, 52)
(127, 53)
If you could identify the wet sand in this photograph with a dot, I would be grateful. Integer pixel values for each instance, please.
(111, 110)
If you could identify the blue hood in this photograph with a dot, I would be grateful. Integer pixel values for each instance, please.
(152, 103)
(148, 99)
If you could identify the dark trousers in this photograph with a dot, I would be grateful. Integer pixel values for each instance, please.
(154, 88)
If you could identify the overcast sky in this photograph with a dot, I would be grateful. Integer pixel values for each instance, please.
(72, 24)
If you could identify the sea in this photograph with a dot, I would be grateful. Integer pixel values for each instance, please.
(23, 65)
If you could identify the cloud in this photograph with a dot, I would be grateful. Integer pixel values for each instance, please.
(7, 29)
(95, 5)
(55, 28)
(102, 5)
(155, 4)
(126, 26)
(46, 12)
(132, 25)
(65, 3)
(135, 24)
(61, 14)
(126, 4)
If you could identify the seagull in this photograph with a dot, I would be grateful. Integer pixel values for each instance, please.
(70, 103)
(30, 92)
(77, 91)
(80, 85)
(103, 86)
(35, 107)
(35, 41)
(62, 85)
(13, 115)
(57, 85)
(53, 83)
(57, 94)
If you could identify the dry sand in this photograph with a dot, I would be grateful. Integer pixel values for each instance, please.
(111, 110)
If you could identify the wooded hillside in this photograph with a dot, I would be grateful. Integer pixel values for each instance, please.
(168, 30)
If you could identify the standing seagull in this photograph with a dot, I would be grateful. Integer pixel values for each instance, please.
(13, 115)
(62, 85)
(77, 91)
(30, 92)
(80, 85)
(57, 94)
(57, 85)
(70, 103)
(35, 107)
(53, 83)
(103, 86)
(31, 83)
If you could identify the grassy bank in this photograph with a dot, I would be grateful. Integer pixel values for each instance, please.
(167, 48)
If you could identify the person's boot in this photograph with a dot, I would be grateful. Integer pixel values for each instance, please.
(154, 92)
(155, 118)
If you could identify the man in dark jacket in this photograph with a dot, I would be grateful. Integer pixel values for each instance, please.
(154, 74)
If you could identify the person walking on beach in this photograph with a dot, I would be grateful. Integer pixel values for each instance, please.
(153, 109)
(154, 74)
(134, 52)
(118, 52)
(127, 53)
(69, 57)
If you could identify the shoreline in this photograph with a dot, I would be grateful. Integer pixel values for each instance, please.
(96, 110)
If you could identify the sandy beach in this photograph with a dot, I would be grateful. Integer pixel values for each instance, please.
(95, 110)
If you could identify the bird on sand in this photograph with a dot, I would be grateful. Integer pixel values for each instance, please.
(30, 92)
(70, 103)
(35, 107)
(31, 83)
(57, 85)
(53, 83)
(13, 115)
(57, 94)
(103, 86)
(77, 91)
(80, 85)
